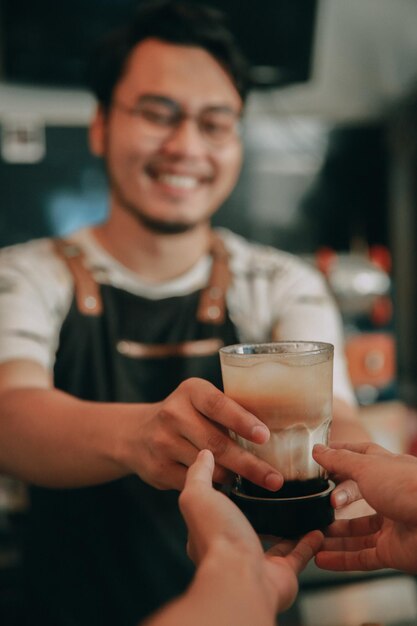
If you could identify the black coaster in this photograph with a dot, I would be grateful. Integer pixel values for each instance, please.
(288, 516)
(290, 488)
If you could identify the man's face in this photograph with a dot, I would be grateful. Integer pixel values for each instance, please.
(171, 175)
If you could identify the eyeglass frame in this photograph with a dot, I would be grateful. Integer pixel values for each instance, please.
(180, 115)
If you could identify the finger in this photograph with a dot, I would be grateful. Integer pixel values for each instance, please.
(305, 549)
(349, 544)
(337, 478)
(212, 403)
(281, 547)
(200, 473)
(182, 451)
(243, 462)
(222, 476)
(172, 476)
(362, 560)
(345, 493)
(233, 457)
(197, 481)
(355, 527)
(186, 454)
(269, 540)
(339, 461)
(364, 447)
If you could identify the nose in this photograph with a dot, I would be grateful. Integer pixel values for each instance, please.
(185, 140)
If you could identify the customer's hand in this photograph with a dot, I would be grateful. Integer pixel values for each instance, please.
(196, 416)
(388, 483)
(212, 520)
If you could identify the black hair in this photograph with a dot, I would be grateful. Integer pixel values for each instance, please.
(172, 21)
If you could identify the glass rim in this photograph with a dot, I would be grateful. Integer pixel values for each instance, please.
(320, 347)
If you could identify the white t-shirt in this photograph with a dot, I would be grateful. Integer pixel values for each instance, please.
(273, 295)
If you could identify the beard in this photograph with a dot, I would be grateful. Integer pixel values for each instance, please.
(154, 225)
(160, 227)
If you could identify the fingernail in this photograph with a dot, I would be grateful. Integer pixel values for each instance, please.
(340, 498)
(319, 447)
(273, 481)
(260, 433)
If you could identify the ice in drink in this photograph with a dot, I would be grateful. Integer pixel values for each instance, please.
(288, 386)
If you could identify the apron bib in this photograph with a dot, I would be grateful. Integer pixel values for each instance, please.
(113, 553)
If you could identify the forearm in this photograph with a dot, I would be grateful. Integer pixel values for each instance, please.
(346, 425)
(228, 590)
(52, 439)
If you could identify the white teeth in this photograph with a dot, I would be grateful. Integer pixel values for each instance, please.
(182, 182)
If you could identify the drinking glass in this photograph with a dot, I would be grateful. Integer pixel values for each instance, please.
(288, 385)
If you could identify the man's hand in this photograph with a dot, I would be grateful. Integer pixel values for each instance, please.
(197, 416)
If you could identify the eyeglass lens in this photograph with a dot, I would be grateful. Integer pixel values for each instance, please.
(159, 116)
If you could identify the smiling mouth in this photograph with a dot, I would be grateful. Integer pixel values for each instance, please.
(178, 181)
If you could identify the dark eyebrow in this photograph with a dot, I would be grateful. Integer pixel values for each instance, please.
(154, 98)
(221, 108)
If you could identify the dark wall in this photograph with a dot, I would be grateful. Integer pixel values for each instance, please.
(66, 189)
(48, 42)
(348, 200)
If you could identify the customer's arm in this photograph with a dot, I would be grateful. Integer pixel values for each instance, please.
(236, 583)
(388, 483)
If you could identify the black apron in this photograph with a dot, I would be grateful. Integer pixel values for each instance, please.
(111, 554)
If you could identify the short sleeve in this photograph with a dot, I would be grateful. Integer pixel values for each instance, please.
(35, 293)
(309, 313)
(277, 296)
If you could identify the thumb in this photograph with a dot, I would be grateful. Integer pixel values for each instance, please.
(345, 493)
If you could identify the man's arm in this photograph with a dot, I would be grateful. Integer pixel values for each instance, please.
(346, 424)
(310, 314)
(54, 439)
(49, 437)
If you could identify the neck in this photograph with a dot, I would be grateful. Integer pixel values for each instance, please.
(153, 256)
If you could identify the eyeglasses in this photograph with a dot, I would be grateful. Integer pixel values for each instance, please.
(158, 117)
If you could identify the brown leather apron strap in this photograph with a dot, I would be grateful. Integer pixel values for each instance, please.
(87, 291)
(212, 305)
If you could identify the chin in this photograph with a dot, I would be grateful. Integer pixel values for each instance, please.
(165, 227)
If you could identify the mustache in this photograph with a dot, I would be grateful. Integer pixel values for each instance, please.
(180, 166)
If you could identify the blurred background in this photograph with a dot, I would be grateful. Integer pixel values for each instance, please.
(330, 170)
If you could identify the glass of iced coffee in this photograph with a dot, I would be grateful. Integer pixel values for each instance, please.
(288, 385)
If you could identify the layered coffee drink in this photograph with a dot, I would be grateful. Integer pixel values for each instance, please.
(287, 385)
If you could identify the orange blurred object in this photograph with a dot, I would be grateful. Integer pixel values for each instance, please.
(325, 257)
(371, 359)
(381, 256)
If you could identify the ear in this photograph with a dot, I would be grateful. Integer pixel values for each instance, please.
(96, 133)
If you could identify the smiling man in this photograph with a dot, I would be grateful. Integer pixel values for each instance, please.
(109, 376)
(170, 137)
